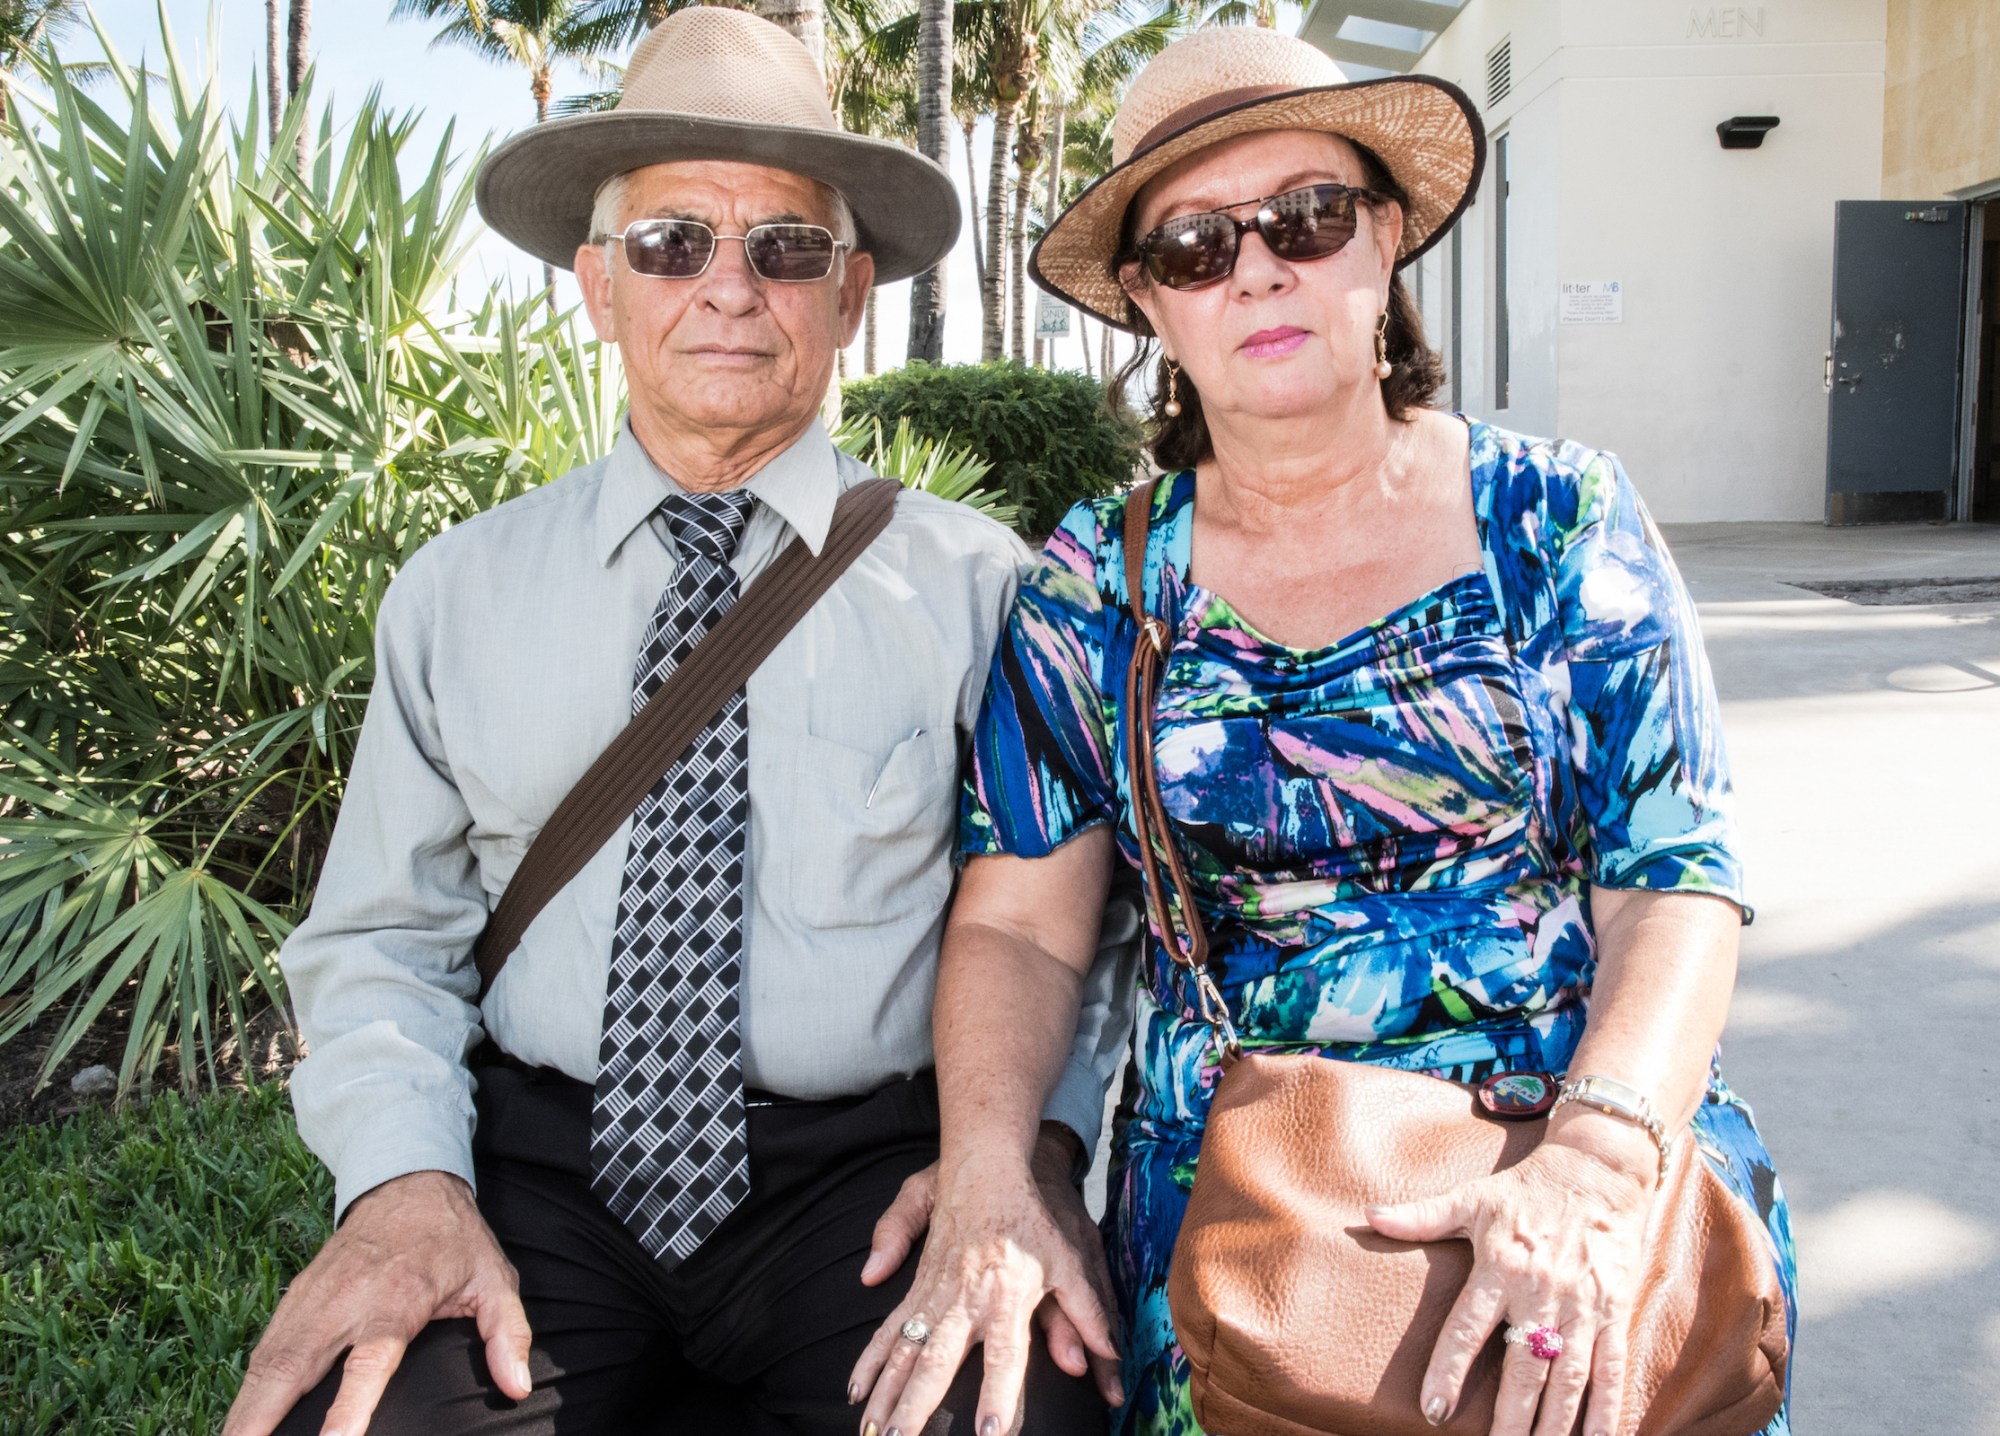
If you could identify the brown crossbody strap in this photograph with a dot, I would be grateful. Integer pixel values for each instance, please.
(720, 664)
(1187, 943)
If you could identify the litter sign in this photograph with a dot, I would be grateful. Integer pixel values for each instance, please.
(1593, 301)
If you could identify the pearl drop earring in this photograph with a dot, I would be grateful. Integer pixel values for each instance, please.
(1172, 408)
(1383, 368)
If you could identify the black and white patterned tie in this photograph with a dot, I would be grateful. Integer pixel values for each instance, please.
(668, 1151)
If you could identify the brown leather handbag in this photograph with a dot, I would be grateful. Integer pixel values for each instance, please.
(1295, 1315)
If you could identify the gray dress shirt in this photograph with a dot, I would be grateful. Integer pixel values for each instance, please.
(505, 652)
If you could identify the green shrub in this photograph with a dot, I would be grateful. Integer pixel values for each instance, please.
(233, 397)
(141, 1253)
(1047, 432)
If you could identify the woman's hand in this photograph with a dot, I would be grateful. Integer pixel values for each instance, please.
(1556, 1242)
(1007, 1242)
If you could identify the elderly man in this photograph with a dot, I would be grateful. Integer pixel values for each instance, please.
(615, 1225)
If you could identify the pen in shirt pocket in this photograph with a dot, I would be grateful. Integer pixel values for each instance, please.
(869, 801)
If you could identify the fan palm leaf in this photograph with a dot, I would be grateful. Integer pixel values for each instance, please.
(234, 398)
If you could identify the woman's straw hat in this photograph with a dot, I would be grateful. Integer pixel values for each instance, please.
(715, 84)
(1237, 80)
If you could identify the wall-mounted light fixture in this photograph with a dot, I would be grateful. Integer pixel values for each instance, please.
(1745, 132)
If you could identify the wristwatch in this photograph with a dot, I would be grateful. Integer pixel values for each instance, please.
(1619, 1099)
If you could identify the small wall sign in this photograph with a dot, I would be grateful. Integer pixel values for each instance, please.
(1725, 22)
(1593, 301)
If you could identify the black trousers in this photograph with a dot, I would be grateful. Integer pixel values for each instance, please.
(755, 1333)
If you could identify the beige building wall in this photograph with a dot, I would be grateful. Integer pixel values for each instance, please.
(1711, 385)
(1941, 102)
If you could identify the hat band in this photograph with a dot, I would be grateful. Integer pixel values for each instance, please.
(1201, 109)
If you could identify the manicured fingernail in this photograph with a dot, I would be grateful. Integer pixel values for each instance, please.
(852, 1396)
(1434, 1410)
(990, 1426)
(521, 1377)
(869, 1428)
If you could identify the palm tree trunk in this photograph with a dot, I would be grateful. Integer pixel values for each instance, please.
(993, 288)
(972, 209)
(1104, 355)
(933, 142)
(868, 334)
(298, 55)
(806, 19)
(542, 86)
(1017, 259)
(298, 51)
(274, 64)
(1083, 343)
(1055, 159)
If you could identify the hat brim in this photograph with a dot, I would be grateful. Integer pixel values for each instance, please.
(1425, 130)
(538, 188)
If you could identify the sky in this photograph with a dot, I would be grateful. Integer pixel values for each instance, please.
(356, 46)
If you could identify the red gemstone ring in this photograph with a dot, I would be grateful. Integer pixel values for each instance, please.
(1542, 1341)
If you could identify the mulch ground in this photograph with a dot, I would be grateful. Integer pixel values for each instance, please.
(272, 1045)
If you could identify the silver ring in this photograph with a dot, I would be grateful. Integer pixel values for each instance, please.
(916, 1331)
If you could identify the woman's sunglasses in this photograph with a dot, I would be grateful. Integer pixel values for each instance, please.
(682, 249)
(1191, 250)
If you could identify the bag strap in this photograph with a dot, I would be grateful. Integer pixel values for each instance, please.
(1150, 821)
(660, 732)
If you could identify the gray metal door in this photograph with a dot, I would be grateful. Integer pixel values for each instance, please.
(1893, 373)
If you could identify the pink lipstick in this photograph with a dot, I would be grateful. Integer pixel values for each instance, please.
(1271, 343)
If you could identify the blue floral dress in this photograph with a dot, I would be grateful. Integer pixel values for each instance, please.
(1392, 838)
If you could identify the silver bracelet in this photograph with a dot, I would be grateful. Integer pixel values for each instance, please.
(1619, 1099)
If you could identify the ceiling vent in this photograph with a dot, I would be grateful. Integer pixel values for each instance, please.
(1500, 71)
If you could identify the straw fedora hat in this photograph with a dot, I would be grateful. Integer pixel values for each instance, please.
(1227, 81)
(715, 84)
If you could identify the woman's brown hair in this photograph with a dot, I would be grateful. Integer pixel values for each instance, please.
(1180, 441)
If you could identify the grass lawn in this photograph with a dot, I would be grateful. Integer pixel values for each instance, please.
(141, 1253)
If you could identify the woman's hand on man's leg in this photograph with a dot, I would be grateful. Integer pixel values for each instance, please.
(1008, 1248)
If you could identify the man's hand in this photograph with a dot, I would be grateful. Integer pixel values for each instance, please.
(412, 1251)
(1067, 1292)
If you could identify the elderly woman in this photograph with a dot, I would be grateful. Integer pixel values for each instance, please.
(1436, 735)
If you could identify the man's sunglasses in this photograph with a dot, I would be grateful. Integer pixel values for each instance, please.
(682, 249)
(1192, 250)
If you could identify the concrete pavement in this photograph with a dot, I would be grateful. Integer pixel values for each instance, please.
(1866, 1024)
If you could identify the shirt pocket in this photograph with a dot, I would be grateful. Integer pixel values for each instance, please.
(871, 835)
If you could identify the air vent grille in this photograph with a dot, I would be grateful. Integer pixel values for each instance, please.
(1500, 71)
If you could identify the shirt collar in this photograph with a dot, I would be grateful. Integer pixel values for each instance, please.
(800, 486)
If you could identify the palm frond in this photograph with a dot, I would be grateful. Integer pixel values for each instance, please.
(235, 396)
(936, 466)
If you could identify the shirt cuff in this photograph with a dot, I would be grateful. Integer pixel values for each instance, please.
(415, 1137)
(1078, 1103)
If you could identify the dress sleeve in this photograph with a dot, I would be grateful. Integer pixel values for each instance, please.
(1652, 774)
(1042, 750)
